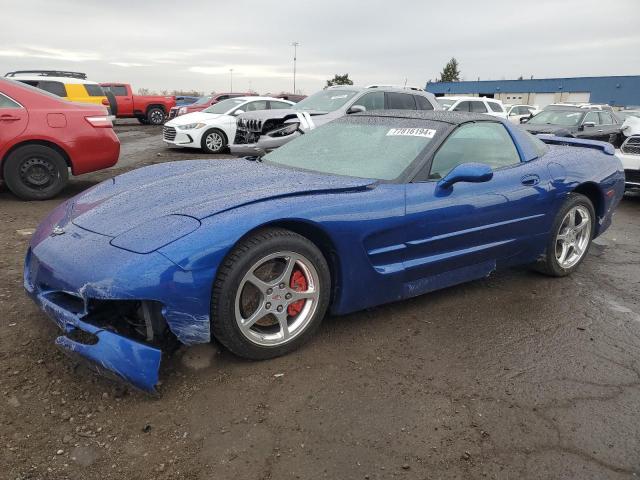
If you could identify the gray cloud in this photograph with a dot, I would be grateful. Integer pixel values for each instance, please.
(193, 44)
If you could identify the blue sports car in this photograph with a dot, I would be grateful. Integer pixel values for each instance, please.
(371, 208)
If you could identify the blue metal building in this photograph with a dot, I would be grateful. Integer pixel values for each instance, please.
(615, 91)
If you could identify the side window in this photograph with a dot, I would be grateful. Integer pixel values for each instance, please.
(94, 90)
(606, 118)
(253, 106)
(371, 101)
(6, 102)
(279, 105)
(463, 107)
(495, 107)
(423, 103)
(478, 107)
(592, 117)
(400, 101)
(118, 90)
(482, 142)
(57, 88)
(222, 97)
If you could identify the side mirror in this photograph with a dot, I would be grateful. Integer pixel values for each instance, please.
(524, 119)
(238, 112)
(588, 124)
(467, 172)
(356, 109)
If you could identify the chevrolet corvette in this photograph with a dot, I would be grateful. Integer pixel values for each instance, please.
(371, 208)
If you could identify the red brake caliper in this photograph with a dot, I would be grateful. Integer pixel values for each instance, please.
(299, 284)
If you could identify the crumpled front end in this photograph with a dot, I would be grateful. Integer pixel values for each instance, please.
(117, 309)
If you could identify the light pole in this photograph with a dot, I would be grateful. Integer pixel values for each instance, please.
(231, 79)
(295, 55)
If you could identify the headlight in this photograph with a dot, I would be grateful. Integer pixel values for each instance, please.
(157, 233)
(182, 110)
(284, 131)
(191, 126)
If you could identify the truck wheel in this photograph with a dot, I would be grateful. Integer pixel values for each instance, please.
(213, 141)
(35, 172)
(155, 116)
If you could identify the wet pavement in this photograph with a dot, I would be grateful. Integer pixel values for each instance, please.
(514, 376)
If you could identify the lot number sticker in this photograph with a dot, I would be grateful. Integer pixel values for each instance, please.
(411, 132)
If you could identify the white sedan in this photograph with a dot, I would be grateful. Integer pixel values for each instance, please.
(214, 128)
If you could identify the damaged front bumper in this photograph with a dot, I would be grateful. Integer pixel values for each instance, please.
(107, 352)
(264, 143)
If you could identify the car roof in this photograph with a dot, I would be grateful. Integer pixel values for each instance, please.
(47, 78)
(255, 97)
(444, 116)
(384, 88)
(471, 98)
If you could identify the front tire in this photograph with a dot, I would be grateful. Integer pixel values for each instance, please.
(213, 141)
(35, 172)
(570, 237)
(271, 294)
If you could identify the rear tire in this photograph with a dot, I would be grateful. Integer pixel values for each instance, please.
(270, 295)
(155, 116)
(35, 172)
(570, 237)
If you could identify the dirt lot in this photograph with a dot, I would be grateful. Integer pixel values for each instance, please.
(516, 376)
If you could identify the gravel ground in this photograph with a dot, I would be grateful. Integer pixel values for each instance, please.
(514, 376)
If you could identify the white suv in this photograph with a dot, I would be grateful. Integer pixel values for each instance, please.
(473, 104)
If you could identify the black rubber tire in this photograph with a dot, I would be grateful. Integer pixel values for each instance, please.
(23, 190)
(549, 264)
(143, 120)
(230, 274)
(203, 144)
(156, 116)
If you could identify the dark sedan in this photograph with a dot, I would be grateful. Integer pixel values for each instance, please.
(577, 122)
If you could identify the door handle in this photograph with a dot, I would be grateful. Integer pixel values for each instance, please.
(8, 118)
(530, 180)
(600, 131)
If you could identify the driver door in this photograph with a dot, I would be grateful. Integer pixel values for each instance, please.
(462, 232)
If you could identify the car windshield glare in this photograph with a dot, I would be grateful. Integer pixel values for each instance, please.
(202, 100)
(325, 100)
(445, 102)
(564, 118)
(365, 147)
(224, 106)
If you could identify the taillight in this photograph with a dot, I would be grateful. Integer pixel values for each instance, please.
(105, 102)
(102, 121)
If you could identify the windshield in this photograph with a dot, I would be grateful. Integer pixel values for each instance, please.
(202, 100)
(445, 102)
(566, 118)
(365, 147)
(224, 106)
(325, 100)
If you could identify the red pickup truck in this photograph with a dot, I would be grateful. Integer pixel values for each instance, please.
(148, 109)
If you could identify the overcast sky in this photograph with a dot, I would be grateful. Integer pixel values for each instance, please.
(192, 44)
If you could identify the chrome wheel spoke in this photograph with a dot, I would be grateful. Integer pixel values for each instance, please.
(284, 325)
(261, 312)
(296, 296)
(582, 225)
(572, 218)
(259, 284)
(285, 277)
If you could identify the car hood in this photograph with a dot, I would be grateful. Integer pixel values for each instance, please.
(546, 128)
(194, 117)
(196, 188)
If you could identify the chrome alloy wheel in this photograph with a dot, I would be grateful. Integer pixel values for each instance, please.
(573, 236)
(277, 298)
(214, 141)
